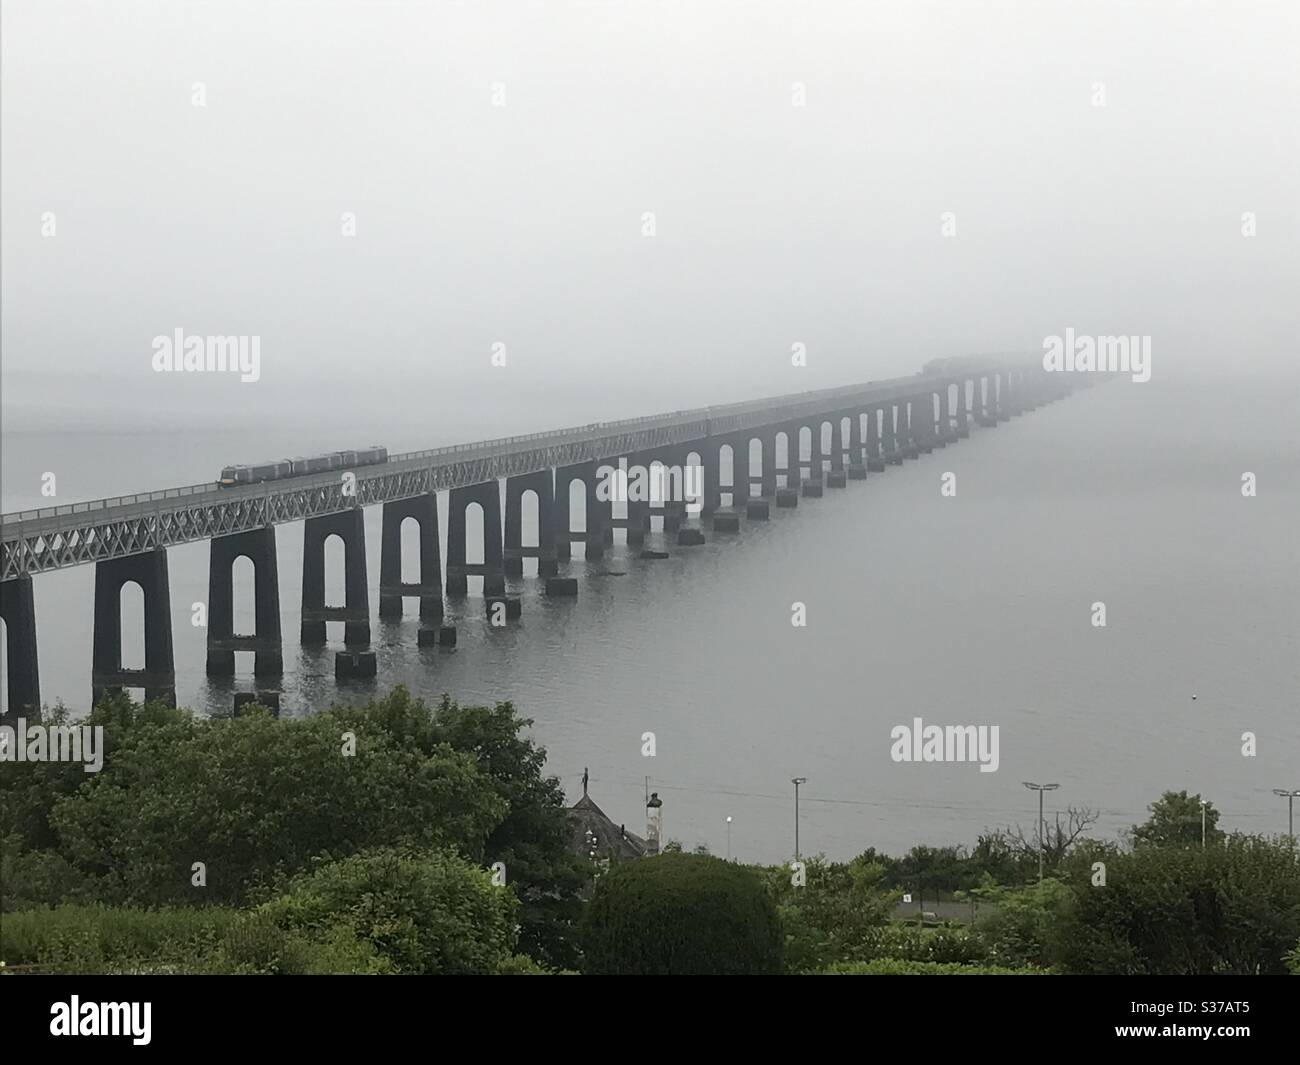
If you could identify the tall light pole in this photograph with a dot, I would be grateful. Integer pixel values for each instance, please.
(1202, 824)
(796, 781)
(1290, 797)
(1042, 832)
(728, 837)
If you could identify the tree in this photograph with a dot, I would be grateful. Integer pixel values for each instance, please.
(681, 914)
(532, 839)
(255, 800)
(1175, 821)
(837, 915)
(1171, 910)
(1059, 840)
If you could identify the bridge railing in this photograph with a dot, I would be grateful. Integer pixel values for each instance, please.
(594, 429)
(104, 504)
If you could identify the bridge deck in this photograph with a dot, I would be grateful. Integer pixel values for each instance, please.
(73, 534)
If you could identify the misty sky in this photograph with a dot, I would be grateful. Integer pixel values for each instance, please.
(522, 224)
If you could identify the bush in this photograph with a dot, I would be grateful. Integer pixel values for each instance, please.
(1018, 930)
(687, 914)
(254, 945)
(896, 967)
(105, 940)
(425, 913)
(836, 915)
(948, 943)
(1231, 909)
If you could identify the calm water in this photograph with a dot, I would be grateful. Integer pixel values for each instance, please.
(973, 610)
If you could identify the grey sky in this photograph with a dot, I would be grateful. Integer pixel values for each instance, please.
(775, 224)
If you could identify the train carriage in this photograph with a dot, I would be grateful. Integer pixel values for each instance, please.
(300, 466)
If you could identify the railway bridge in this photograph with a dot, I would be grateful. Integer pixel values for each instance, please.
(827, 436)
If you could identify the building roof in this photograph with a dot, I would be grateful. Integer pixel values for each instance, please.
(610, 840)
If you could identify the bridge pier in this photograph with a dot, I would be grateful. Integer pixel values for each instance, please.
(947, 418)
(923, 417)
(963, 427)
(710, 452)
(767, 482)
(349, 526)
(906, 434)
(543, 484)
(158, 678)
(18, 608)
(423, 510)
(488, 496)
(793, 455)
(258, 546)
(888, 438)
(740, 472)
(997, 398)
(873, 455)
(817, 454)
(597, 512)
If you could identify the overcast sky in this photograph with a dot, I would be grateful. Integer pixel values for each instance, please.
(775, 224)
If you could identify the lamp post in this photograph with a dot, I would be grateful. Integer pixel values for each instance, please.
(1202, 824)
(1290, 797)
(1042, 840)
(796, 781)
(728, 837)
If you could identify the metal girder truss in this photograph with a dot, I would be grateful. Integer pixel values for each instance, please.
(82, 533)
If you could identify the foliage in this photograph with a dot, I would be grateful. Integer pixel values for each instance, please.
(895, 967)
(256, 946)
(429, 913)
(1018, 928)
(837, 914)
(254, 798)
(945, 944)
(1232, 908)
(1175, 821)
(532, 837)
(685, 914)
(100, 939)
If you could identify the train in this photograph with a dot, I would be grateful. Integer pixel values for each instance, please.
(280, 469)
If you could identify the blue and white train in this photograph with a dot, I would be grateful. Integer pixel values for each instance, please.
(279, 469)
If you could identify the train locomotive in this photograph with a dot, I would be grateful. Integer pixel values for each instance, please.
(280, 469)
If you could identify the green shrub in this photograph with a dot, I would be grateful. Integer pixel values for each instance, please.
(898, 967)
(427, 913)
(520, 965)
(1020, 925)
(101, 939)
(836, 915)
(255, 945)
(681, 914)
(1168, 910)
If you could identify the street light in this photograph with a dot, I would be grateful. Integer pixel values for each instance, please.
(728, 837)
(796, 781)
(1042, 841)
(1290, 797)
(1202, 824)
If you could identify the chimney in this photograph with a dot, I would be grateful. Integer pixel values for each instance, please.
(653, 823)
